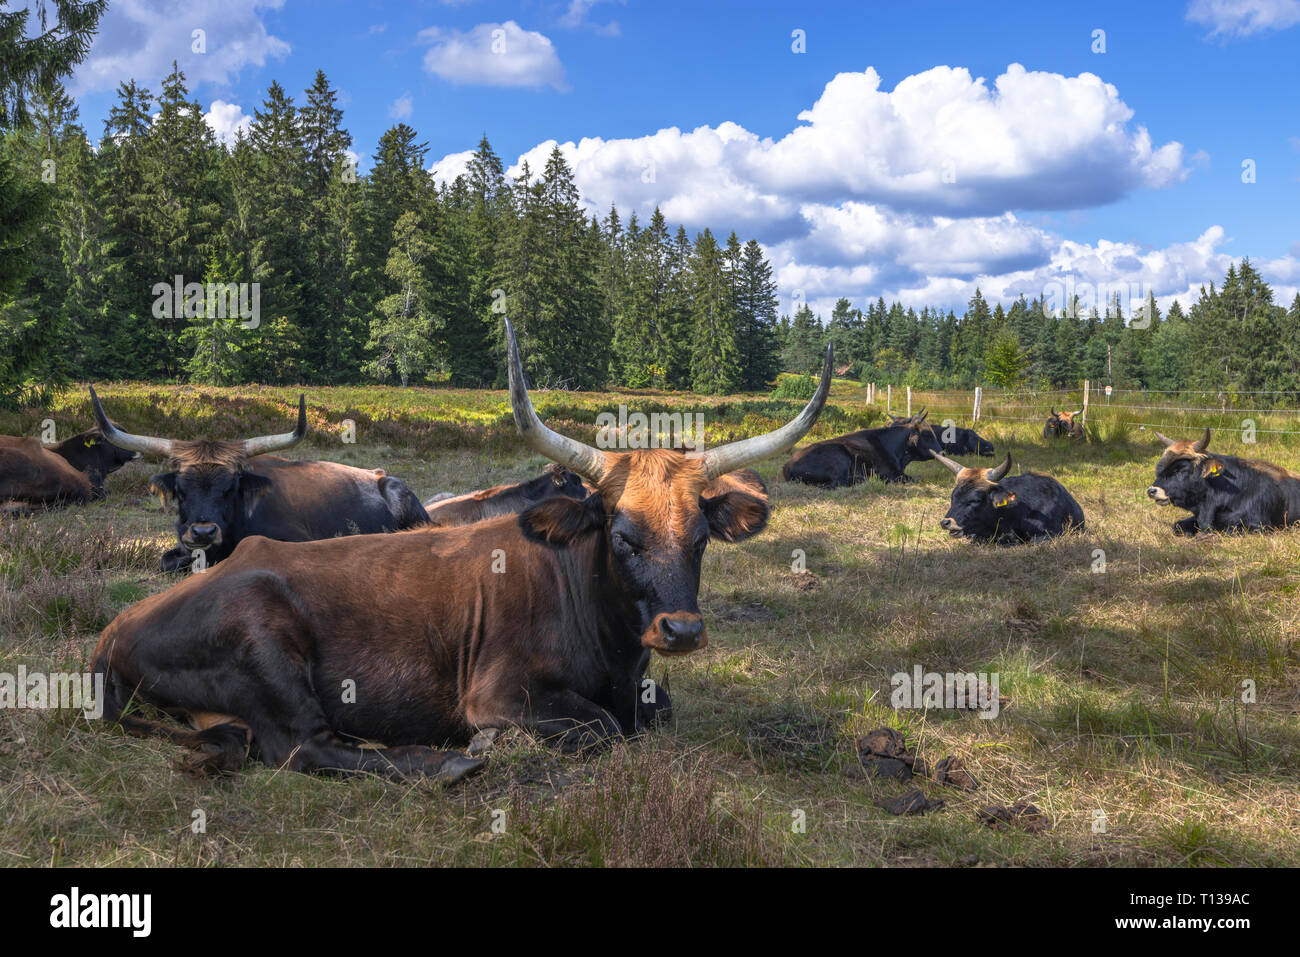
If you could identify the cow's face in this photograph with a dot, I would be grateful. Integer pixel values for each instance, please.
(1062, 424)
(657, 510)
(210, 488)
(95, 458)
(1183, 473)
(979, 504)
(922, 442)
(208, 481)
(922, 438)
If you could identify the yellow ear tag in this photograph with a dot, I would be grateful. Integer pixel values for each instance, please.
(1214, 469)
(89, 442)
(1008, 499)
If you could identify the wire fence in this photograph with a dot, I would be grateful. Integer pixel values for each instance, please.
(1032, 406)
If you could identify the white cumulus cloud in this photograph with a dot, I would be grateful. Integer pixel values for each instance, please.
(139, 39)
(493, 54)
(916, 193)
(226, 120)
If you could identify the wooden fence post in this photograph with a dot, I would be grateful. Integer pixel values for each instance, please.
(909, 401)
(1084, 414)
(979, 395)
(889, 397)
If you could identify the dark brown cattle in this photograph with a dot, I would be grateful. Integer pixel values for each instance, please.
(544, 619)
(226, 491)
(71, 471)
(446, 510)
(1063, 425)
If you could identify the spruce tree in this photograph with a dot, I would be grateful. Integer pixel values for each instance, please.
(713, 348)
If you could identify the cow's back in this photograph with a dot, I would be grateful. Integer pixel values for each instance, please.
(828, 464)
(1050, 500)
(31, 473)
(327, 499)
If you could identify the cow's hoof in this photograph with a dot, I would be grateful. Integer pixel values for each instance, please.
(458, 767)
(177, 560)
(482, 742)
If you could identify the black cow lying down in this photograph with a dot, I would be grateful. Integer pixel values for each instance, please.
(297, 651)
(229, 490)
(850, 459)
(68, 472)
(989, 505)
(956, 440)
(1223, 492)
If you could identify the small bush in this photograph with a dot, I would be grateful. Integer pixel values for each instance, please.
(795, 387)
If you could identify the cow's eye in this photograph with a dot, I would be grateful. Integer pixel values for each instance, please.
(627, 544)
(700, 545)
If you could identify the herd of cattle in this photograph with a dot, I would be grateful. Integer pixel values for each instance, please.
(316, 639)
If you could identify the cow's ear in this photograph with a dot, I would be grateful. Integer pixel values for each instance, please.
(251, 488)
(1211, 468)
(561, 520)
(1001, 497)
(735, 516)
(164, 486)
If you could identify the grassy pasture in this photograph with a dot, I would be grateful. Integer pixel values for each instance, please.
(1124, 686)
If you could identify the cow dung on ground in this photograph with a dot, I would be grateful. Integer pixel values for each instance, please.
(952, 771)
(802, 581)
(884, 754)
(912, 802)
(1022, 815)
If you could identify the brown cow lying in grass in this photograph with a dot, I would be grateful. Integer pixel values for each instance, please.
(67, 472)
(545, 619)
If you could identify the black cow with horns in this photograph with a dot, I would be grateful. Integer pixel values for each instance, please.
(226, 491)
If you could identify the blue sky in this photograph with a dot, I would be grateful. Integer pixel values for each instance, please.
(951, 145)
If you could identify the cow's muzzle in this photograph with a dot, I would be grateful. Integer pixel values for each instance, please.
(678, 633)
(950, 526)
(1158, 495)
(202, 535)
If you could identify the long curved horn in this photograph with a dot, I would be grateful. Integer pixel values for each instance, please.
(1203, 443)
(1165, 439)
(997, 474)
(570, 453)
(274, 443)
(953, 467)
(1053, 411)
(146, 444)
(737, 455)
